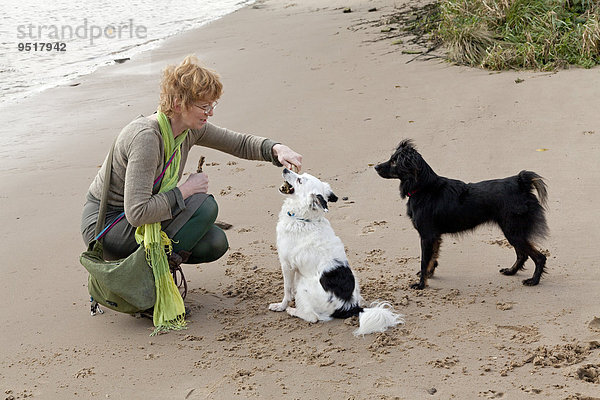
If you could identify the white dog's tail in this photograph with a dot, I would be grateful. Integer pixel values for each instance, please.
(377, 318)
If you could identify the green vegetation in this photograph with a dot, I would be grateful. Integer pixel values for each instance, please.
(504, 34)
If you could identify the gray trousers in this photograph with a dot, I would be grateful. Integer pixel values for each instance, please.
(119, 242)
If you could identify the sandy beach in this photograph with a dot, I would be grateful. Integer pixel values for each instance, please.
(319, 80)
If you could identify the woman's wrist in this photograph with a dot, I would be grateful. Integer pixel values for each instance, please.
(274, 149)
(185, 191)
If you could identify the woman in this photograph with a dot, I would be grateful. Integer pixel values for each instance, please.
(151, 150)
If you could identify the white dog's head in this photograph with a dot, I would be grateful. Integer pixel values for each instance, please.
(305, 193)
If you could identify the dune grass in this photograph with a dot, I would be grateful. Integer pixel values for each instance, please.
(530, 34)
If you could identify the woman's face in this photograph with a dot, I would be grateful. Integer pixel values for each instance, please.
(196, 114)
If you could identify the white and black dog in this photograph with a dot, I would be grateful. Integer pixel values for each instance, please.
(313, 260)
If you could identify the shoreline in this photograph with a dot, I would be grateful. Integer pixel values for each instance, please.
(303, 74)
(63, 40)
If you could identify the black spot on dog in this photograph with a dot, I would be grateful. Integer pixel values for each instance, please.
(322, 202)
(339, 281)
(351, 312)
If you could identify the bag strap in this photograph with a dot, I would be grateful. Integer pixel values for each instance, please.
(104, 198)
(100, 232)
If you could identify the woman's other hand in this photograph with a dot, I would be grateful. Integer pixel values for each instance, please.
(195, 183)
(288, 157)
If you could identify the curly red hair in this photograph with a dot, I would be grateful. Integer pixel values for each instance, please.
(188, 82)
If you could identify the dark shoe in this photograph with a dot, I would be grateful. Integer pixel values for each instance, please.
(175, 261)
(149, 313)
(178, 258)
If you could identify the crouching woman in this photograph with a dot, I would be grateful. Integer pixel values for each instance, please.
(145, 198)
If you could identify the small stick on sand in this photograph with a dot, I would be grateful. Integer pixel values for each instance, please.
(200, 164)
(223, 225)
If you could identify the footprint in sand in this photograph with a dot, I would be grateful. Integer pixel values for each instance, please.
(491, 394)
(375, 256)
(499, 242)
(85, 372)
(370, 228)
(226, 191)
(594, 324)
(589, 373)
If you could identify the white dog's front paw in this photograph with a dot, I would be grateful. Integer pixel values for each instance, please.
(278, 306)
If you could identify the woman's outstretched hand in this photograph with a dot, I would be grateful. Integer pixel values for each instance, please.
(288, 157)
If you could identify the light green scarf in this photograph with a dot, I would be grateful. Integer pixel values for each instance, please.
(169, 311)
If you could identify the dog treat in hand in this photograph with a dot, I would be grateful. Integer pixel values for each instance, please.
(200, 164)
(286, 188)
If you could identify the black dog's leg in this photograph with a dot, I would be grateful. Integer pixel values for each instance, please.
(540, 266)
(436, 253)
(434, 257)
(525, 249)
(427, 261)
(518, 265)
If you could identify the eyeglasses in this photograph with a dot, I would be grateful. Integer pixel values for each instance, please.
(208, 108)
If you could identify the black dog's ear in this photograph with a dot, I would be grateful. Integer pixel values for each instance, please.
(322, 202)
(331, 197)
(406, 144)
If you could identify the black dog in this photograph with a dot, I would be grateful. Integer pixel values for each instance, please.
(438, 205)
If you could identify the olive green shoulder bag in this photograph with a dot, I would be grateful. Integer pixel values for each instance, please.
(125, 285)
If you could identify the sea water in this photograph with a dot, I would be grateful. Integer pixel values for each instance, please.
(50, 43)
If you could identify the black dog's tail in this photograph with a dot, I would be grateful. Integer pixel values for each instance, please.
(529, 179)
